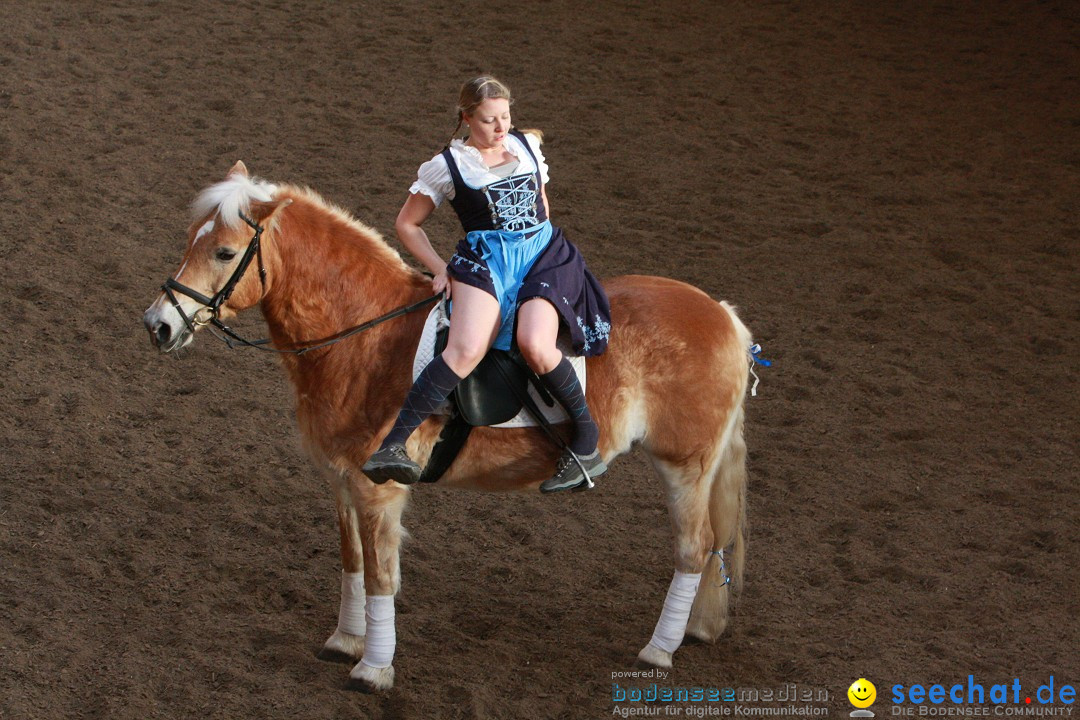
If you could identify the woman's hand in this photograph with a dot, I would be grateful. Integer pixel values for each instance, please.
(441, 284)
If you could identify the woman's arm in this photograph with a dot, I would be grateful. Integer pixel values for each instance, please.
(412, 215)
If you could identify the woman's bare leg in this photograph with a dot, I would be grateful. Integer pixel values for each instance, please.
(474, 324)
(537, 331)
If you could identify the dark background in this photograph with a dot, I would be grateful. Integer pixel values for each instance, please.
(888, 191)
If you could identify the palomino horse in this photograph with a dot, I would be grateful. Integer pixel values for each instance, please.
(673, 379)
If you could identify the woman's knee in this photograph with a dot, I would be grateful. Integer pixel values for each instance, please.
(464, 356)
(539, 352)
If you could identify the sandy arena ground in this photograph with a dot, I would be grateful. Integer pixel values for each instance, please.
(887, 191)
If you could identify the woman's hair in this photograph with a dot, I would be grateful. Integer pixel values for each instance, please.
(476, 91)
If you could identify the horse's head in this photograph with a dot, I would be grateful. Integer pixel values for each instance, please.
(213, 281)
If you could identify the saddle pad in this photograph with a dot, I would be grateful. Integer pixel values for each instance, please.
(425, 352)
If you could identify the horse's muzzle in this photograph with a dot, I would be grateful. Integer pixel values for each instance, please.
(166, 333)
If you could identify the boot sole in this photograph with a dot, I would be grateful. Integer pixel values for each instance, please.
(402, 474)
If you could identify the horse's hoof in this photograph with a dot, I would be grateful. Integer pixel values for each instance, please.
(700, 633)
(364, 678)
(342, 647)
(335, 656)
(653, 657)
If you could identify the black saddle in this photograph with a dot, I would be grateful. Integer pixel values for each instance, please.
(495, 392)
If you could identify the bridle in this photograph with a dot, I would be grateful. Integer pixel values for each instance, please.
(212, 305)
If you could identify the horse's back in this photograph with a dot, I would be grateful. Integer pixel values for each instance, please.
(658, 318)
(675, 368)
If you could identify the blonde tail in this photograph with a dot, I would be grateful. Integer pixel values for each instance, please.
(723, 573)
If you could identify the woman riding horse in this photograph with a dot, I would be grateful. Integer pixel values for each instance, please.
(512, 265)
(672, 382)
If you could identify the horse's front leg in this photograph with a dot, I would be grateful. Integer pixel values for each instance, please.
(347, 642)
(377, 511)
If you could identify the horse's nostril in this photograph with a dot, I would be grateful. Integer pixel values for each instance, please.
(162, 332)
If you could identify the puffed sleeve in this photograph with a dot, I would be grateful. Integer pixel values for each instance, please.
(534, 143)
(433, 179)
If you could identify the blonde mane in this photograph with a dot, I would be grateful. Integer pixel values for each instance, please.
(237, 192)
(375, 243)
(230, 197)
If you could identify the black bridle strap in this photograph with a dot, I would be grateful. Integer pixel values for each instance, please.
(167, 288)
(254, 250)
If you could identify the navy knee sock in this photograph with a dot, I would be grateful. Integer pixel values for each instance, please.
(567, 390)
(431, 388)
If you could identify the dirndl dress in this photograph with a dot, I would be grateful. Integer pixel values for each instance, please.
(512, 251)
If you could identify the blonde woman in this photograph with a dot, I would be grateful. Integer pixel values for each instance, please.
(513, 277)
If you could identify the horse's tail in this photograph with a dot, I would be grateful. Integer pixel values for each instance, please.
(723, 573)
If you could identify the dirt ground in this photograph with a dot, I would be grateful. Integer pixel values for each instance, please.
(888, 191)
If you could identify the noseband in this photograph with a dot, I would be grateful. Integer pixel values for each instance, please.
(212, 305)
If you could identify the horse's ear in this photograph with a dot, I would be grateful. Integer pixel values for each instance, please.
(238, 169)
(263, 212)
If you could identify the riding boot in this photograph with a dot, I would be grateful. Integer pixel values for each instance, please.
(391, 461)
(581, 460)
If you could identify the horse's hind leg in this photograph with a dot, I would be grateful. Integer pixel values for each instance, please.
(688, 485)
(347, 642)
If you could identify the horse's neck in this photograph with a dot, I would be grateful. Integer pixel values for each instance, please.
(327, 276)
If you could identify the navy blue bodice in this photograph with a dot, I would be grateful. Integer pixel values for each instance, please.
(512, 203)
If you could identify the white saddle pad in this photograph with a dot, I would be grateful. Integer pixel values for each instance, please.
(425, 352)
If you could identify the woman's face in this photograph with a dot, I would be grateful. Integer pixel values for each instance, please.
(489, 123)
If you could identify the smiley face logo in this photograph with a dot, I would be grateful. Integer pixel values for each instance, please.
(862, 693)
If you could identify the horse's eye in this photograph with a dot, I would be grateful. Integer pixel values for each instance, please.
(225, 254)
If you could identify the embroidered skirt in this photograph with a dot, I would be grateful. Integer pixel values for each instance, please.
(518, 266)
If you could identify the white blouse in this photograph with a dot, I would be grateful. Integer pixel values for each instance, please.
(434, 180)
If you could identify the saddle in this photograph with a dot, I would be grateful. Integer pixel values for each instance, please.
(494, 393)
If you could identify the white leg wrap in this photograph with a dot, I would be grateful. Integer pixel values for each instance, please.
(671, 628)
(381, 636)
(350, 617)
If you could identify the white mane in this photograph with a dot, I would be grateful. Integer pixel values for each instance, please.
(231, 196)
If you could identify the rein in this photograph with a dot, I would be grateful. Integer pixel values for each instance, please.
(231, 338)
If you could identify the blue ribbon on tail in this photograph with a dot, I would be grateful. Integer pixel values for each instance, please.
(755, 353)
(755, 358)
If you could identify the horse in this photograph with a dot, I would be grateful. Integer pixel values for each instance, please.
(673, 380)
